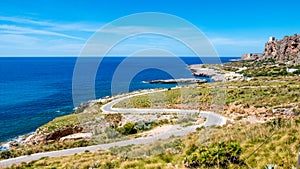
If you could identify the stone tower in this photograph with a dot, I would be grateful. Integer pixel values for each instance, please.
(271, 38)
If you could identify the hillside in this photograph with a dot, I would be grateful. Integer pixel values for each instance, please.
(264, 131)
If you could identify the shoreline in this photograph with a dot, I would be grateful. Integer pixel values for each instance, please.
(22, 138)
(211, 119)
(192, 67)
(57, 107)
(174, 81)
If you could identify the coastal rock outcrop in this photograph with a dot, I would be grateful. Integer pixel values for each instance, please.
(55, 135)
(183, 80)
(284, 50)
(37, 138)
(204, 71)
(200, 70)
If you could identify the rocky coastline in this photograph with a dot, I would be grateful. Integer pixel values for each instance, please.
(200, 70)
(76, 132)
(68, 133)
(173, 81)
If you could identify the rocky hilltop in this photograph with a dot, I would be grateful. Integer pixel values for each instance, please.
(286, 50)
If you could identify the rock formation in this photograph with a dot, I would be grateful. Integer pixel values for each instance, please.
(56, 135)
(37, 137)
(252, 56)
(284, 50)
(172, 81)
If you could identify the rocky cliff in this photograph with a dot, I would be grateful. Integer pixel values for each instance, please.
(284, 50)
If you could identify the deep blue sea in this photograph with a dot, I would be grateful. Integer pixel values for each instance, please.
(35, 90)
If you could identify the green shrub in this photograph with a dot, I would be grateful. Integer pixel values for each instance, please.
(128, 128)
(297, 72)
(6, 154)
(216, 155)
(143, 126)
(111, 133)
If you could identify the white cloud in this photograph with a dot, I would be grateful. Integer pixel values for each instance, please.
(17, 39)
(25, 21)
(84, 27)
(24, 30)
(79, 27)
(28, 36)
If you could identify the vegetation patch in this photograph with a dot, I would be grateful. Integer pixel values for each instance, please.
(220, 155)
(270, 91)
(59, 123)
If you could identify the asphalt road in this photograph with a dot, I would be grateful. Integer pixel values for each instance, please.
(176, 130)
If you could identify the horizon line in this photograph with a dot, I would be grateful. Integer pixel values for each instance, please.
(19, 56)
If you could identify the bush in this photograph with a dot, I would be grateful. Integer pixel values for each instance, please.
(6, 154)
(221, 154)
(111, 133)
(128, 128)
(143, 126)
(297, 72)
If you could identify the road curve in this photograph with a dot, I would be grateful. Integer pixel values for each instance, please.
(211, 118)
(176, 130)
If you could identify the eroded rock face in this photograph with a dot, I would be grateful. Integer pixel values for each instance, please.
(56, 135)
(38, 138)
(284, 50)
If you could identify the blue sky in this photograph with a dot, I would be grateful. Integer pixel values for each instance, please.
(61, 27)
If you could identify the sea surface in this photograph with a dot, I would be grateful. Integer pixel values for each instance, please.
(35, 90)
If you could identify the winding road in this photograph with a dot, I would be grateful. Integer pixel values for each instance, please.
(176, 130)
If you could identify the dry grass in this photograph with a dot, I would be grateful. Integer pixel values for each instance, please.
(275, 142)
(59, 123)
(261, 92)
(262, 144)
